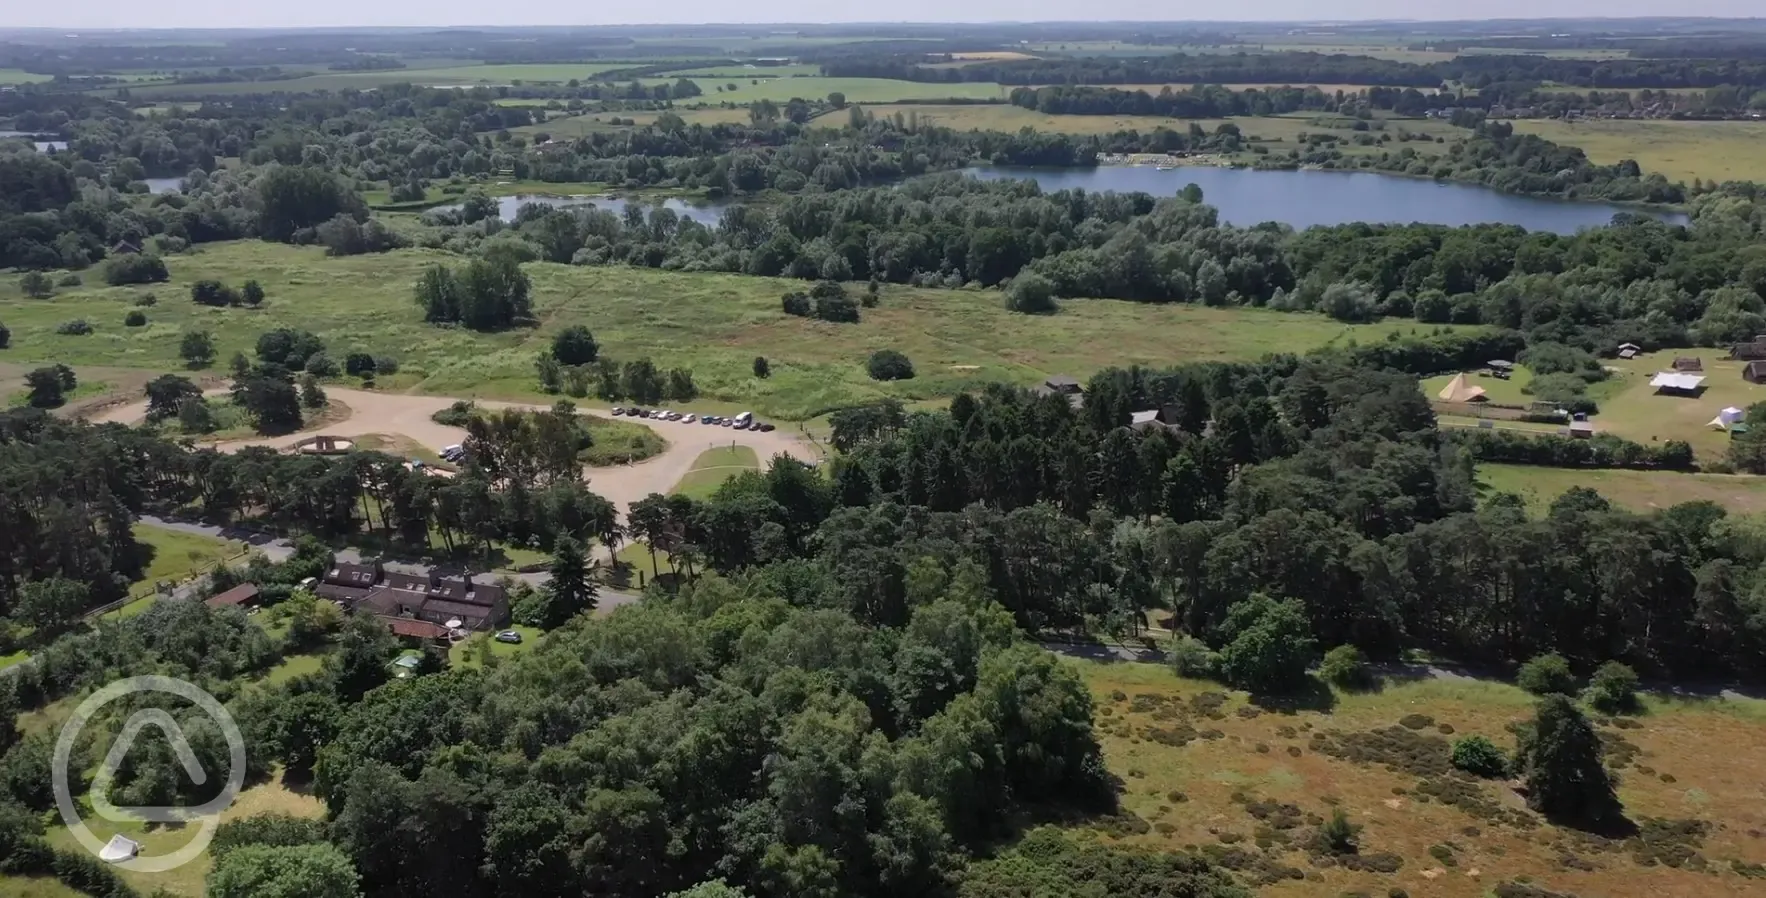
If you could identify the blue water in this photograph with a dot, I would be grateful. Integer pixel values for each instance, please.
(1306, 198)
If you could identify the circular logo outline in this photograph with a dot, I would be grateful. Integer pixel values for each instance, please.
(207, 814)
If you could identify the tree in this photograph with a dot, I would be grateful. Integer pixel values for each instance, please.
(135, 268)
(1031, 294)
(680, 385)
(5, 336)
(316, 870)
(1546, 674)
(837, 100)
(641, 382)
(575, 346)
(311, 395)
(36, 285)
(570, 591)
(761, 368)
(1560, 759)
(1269, 645)
(1613, 688)
(494, 294)
(1338, 835)
(135, 318)
(360, 364)
(52, 604)
(167, 393)
(550, 372)
(288, 347)
(272, 402)
(195, 416)
(294, 197)
(46, 388)
(439, 292)
(1345, 666)
(197, 348)
(887, 364)
(252, 293)
(360, 660)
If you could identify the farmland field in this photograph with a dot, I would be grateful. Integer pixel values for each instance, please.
(743, 72)
(461, 75)
(1679, 151)
(857, 90)
(1641, 491)
(20, 76)
(714, 324)
(1202, 767)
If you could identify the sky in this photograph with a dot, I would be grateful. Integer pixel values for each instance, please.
(89, 14)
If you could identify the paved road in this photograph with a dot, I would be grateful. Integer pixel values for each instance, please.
(410, 415)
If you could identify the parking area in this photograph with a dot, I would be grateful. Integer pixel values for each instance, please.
(743, 421)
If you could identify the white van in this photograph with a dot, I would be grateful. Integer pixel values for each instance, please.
(744, 419)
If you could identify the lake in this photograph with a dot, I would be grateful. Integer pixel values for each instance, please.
(1306, 198)
(42, 146)
(705, 213)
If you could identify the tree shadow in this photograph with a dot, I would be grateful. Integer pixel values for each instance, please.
(1314, 695)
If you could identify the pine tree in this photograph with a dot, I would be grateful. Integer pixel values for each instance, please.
(1560, 758)
(570, 591)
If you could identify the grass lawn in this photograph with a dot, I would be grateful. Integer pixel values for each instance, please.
(293, 666)
(1677, 150)
(470, 652)
(714, 324)
(36, 887)
(20, 76)
(263, 798)
(1636, 490)
(739, 73)
(620, 442)
(446, 76)
(713, 467)
(178, 555)
(1182, 765)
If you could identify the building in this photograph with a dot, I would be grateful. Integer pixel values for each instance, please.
(1629, 350)
(1689, 363)
(1163, 419)
(1062, 385)
(420, 631)
(1582, 430)
(125, 248)
(1754, 372)
(243, 594)
(348, 583)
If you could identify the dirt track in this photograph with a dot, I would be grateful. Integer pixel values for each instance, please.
(409, 415)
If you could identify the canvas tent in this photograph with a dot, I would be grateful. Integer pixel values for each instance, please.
(1457, 390)
(119, 849)
(1675, 382)
(1731, 415)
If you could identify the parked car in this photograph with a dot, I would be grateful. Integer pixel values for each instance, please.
(710, 419)
(509, 636)
(725, 422)
(618, 410)
(690, 419)
(766, 428)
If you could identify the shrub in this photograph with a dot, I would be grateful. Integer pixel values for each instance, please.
(252, 292)
(75, 328)
(5, 336)
(146, 300)
(68, 280)
(135, 318)
(1338, 835)
(887, 364)
(796, 304)
(839, 308)
(386, 364)
(1031, 294)
(761, 368)
(1479, 756)
(1191, 657)
(136, 268)
(319, 364)
(36, 285)
(1547, 674)
(359, 364)
(213, 293)
(1345, 666)
(1613, 688)
(456, 415)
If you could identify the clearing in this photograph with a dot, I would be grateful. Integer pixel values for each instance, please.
(1203, 767)
(714, 324)
(178, 555)
(713, 467)
(1637, 490)
(1677, 150)
(857, 90)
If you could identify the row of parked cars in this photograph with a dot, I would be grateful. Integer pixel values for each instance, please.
(744, 421)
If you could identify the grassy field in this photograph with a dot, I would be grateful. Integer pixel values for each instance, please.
(445, 76)
(572, 126)
(714, 324)
(1679, 151)
(470, 652)
(618, 442)
(1636, 490)
(857, 90)
(1197, 762)
(1629, 408)
(1502, 392)
(713, 467)
(744, 72)
(20, 76)
(178, 555)
(263, 798)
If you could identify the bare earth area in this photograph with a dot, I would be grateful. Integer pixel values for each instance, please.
(411, 416)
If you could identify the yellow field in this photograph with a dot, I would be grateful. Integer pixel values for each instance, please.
(1679, 151)
(1196, 773)
(1637, 490)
